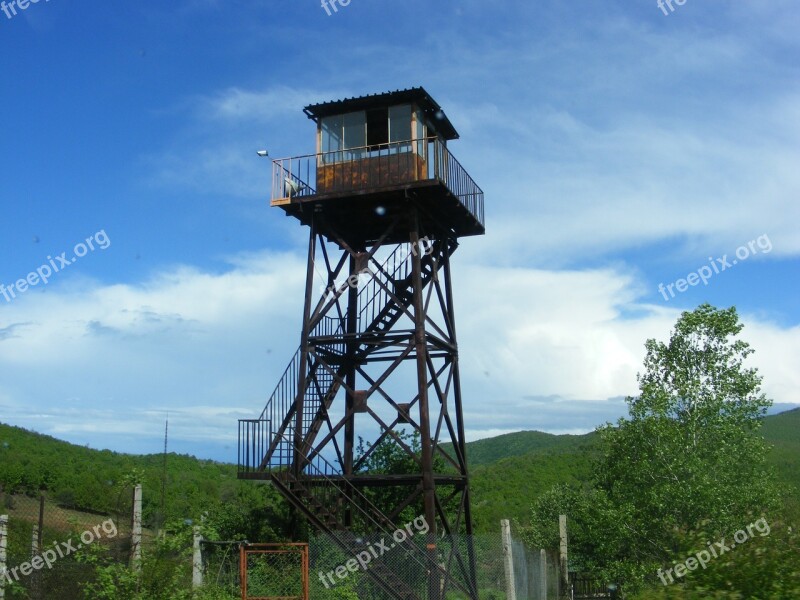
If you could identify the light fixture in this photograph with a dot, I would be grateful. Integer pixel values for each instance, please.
(262, 153)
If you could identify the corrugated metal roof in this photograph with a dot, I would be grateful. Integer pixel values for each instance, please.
(416, 95)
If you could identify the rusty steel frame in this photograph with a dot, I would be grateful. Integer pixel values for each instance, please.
(246, 550)
(426, 343)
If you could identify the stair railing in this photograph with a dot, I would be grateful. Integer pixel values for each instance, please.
(319, 469)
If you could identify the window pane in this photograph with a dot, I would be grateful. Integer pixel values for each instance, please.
(400, 123)
(331, 138)
(355, 132)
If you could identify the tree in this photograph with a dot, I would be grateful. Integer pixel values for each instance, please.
(388, 457)
(690, 454)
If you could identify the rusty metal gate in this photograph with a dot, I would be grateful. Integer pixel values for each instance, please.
(274, 571)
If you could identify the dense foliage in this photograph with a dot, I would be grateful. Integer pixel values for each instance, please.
(687, 466)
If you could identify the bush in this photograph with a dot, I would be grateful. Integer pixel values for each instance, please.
(762, 568)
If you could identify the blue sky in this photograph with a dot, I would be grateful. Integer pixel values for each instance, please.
(619, 148)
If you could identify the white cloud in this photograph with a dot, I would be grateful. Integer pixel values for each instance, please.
(539, 350)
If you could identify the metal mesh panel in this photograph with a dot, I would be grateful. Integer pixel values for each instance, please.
(274, 572)
(380, 567)
(45, 542)
(220, 565)
(535, 579)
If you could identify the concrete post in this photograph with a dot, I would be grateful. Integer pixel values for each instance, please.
(35, 540)
(508, 559)
(197, 559)
(35, 589)
(136, 529)
(3, 557)
(543, 578)
(563, 556)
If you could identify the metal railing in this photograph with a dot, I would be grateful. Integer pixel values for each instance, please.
(373, 298)
(261, 439)
(257, 435)
(326, 491)
(590, 588)
(286, 390)
(376, 166)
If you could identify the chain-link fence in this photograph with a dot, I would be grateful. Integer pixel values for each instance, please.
(51, 551)
(219, 565)
(377, 567)
(536, 573)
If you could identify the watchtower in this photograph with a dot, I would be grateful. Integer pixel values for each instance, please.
(385, 203)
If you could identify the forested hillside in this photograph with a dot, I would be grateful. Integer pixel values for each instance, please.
(100, 481)
(508, 473)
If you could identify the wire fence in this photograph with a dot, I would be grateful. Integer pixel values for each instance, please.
(344, 566)
(51, 551)
(536, 573)
(220, 565)
(339, 568)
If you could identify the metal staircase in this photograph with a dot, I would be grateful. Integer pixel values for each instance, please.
(321, 493)
(381, 304)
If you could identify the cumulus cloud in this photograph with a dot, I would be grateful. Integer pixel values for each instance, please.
(548, 350)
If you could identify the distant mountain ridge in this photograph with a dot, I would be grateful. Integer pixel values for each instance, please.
(489, 450)
(510, 471)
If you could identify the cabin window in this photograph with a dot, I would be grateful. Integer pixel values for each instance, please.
(332, 137)
(343, 137)
(400, 123)
(377, 127)
(357, 135)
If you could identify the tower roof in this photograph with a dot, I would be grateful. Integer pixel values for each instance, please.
(416, 95)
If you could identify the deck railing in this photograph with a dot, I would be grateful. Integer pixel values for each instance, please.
(374, 167)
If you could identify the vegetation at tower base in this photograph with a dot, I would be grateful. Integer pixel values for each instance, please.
(390, 458)
(558, 474)
(688, 467)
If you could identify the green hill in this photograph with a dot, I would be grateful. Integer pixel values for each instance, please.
(489, 450)
(508, 473)
(84, 480)
(783, 433)
(506, 488)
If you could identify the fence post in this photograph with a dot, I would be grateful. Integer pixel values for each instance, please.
(3, 546)
(35, 540)
(543, 574)
(563, 556)
(136, 529)
(197, 559)
(35, 551)
(508, 559)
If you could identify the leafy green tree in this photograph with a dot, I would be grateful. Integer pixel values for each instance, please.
(690, 453)
(688, 459)
(390, 458)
